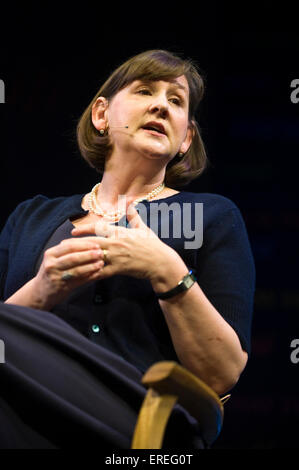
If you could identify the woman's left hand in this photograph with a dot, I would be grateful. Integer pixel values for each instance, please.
(135, 251)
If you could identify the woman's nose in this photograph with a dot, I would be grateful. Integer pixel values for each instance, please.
(160, 106)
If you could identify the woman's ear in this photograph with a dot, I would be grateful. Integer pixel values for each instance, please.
(188, 139)
(98, 113)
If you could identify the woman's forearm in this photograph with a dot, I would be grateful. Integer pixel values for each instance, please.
(204, 342)
(27, 297)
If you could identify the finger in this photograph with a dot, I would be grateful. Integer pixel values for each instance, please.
(90, 270)
(73, 260)
(104, 229)
(107, 271)
(136, 222)
(74, 244)
(84, 230)
(134, 218)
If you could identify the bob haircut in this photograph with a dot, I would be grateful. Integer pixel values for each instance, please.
(149, 65)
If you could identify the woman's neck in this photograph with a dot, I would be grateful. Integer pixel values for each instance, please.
(130, 174)
(113, 186)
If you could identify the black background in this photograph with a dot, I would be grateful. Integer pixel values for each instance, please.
(251, 131)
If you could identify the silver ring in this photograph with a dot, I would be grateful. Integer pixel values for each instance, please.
(67, 276)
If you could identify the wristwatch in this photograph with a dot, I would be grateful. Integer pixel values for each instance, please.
(183, 285)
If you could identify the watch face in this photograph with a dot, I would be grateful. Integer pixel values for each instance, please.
(188, 282)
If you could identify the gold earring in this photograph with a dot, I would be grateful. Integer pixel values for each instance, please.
(181, 154)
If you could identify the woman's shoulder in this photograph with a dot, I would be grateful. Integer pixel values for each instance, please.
(41, 205)
(211, 201)
(43, 201)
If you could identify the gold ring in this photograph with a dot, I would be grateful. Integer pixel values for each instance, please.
(105, 252)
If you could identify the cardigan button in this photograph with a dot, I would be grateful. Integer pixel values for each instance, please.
(95, 328)
(98, 299)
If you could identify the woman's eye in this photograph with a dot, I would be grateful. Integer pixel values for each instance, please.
(176, 101)
(144, 91)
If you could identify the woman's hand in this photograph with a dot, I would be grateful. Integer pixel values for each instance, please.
(135, 251)
(80, 257)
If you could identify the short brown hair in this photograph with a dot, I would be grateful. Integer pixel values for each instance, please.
(149, 65)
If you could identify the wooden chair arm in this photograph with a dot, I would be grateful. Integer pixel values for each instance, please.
(168, 383)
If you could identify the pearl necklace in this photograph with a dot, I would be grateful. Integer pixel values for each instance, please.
(114, 216)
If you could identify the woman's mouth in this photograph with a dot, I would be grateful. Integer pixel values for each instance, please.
(155, 128)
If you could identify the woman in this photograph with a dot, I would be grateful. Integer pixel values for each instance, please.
(122, 288)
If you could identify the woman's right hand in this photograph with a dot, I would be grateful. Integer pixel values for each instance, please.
(81, 257)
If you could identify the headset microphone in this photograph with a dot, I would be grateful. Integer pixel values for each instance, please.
(120, 127)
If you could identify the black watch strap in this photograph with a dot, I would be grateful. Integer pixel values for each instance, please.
(183, 285)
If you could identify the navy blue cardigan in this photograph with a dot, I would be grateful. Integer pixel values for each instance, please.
(127, 315)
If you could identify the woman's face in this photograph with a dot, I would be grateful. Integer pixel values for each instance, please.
(156, 113)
